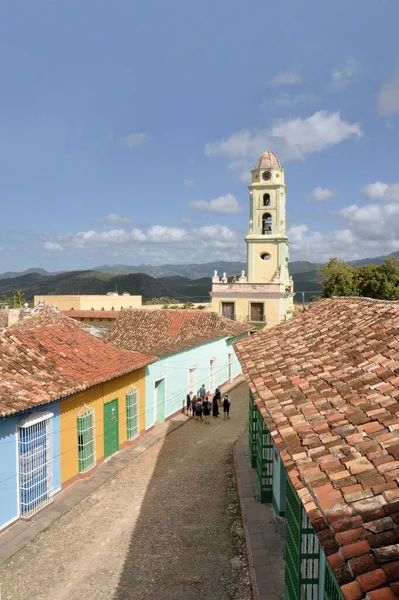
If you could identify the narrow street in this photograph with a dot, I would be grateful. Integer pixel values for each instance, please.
(166, 526)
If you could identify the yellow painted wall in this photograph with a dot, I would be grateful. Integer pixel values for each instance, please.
(274, 308)
(88, 302)
(95, 397)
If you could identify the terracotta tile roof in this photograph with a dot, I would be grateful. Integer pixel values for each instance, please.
(163, 332)
(50, 356)
(327, 385)
(91, 314)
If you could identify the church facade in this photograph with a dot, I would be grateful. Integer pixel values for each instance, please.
(263, 296)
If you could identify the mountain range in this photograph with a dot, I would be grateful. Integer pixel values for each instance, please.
(183, 282)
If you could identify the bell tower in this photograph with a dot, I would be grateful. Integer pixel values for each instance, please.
(264, 296)
(267, 242)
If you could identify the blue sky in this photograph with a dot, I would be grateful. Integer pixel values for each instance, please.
(114, 117)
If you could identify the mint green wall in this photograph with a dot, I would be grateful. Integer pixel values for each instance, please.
(174, 369)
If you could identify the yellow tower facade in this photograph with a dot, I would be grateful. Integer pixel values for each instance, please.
(264, 295)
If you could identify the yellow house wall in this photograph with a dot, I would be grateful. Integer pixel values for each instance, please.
(88, 302)
(273, 308)
(95, 397)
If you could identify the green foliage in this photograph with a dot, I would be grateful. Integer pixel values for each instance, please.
(339, 279)
(16, 300)
(314, 298)
(373, 281)
(188, 305)
(161, 300)
(201, 306)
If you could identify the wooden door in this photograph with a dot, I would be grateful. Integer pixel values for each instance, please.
(256, 311)
(111, 433)
(228, 310)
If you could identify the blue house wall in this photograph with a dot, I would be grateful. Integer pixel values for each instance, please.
(168, 379)
(9, 488)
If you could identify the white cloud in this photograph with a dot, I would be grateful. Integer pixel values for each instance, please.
(286, 78)
(223, 204)
(159, 244)
(159, 233)
(290, 139)
(368, 231)
(52, 246)
(112, 236)
(289, 100)
(114, 218)
(134, 139)
(388, 97)
(382, 191)
(217, 232)
(343, 77)
(322, 194)
(189, 182)
(187, 221)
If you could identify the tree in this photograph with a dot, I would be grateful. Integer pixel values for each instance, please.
(339, 279)
(381, 282)
(372, 281)
(19, 298)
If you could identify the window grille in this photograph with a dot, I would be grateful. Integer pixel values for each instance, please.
(253, 417)
(35, 463)
(332, 590)
(132, 415)
(264, 460)
(212, 374)
(302, 551)
(230, 366)
(86, 441)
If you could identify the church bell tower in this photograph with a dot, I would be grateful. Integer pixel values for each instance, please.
(263, 296)
(267, 242)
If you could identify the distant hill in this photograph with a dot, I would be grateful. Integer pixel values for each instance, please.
(183, 282)
(91, 282)
(193, 271)
(11, 274)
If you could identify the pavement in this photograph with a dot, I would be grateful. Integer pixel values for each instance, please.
(23, 531)
(150, 492)
(262, 530)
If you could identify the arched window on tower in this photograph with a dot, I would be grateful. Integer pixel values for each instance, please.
(266, 199)
(266, 224)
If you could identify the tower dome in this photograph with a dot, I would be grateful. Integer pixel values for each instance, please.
(268, 160)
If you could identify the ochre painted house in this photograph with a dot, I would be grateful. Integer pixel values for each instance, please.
(103, 412)
(67, 401)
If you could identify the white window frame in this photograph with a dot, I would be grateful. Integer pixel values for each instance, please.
(31, 465)
(212, 374)
(91, 458)
(230, 367)
(193, 379)
(132, 401)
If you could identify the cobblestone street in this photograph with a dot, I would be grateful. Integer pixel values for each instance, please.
(167, 525)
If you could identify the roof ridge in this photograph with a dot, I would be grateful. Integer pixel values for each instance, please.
(365, 299)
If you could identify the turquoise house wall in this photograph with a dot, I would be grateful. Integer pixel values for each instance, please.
(174, 370)
(9, 500)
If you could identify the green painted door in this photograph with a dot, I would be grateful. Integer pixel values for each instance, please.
(111, 435)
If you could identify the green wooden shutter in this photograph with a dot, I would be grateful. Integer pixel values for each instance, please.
(293, 514)
(264, 460)
(331, 588)
(302, 551)
(252, 424)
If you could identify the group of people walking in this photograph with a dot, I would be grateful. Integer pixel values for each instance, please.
(201, 407)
